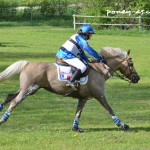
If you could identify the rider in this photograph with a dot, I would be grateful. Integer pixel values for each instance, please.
(72, 52)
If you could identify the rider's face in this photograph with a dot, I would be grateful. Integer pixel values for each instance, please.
(88, 36)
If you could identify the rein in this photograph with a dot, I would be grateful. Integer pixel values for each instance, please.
(122, 77)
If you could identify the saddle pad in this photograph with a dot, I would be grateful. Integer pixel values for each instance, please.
(65, 74)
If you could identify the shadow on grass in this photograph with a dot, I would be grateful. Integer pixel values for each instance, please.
(137, 129)
(10, 44)
(101, 129)
(22, 55)
(86, 130)
(134, 129)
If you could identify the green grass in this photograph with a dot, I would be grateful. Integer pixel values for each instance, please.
(43, 121)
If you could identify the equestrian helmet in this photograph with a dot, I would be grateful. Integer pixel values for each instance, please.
(86, 28)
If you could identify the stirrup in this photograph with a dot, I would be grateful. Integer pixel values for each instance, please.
(74, 85)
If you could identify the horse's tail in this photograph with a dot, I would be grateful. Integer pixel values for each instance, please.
(13, 69)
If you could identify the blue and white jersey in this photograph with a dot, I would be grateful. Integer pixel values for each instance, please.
(74, 47)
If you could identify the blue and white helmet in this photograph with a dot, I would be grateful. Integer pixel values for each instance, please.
(86, 28)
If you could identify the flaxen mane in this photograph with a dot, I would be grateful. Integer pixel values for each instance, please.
(108, 52)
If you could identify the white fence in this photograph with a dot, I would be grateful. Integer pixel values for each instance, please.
(139, 20)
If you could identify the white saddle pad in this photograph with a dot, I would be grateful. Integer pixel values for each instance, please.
(65, 74)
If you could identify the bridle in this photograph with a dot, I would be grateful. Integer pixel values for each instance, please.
(122, 75)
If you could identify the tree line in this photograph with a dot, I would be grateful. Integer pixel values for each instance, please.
(47, 8)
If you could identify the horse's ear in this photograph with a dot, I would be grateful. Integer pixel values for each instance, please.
(128, 52)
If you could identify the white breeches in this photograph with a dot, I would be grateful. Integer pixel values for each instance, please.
(76, 63)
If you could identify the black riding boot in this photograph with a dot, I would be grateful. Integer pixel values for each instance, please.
(76, 76)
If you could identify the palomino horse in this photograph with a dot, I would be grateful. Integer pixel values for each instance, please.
(36, 75)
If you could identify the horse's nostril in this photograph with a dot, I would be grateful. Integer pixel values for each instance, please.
(135, 78)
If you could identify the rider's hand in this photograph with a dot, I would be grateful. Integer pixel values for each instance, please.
(103, 61)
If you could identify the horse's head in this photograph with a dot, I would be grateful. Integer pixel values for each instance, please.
(120, 60)
(126, 67)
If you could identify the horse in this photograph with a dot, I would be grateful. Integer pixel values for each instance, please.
(36, 75)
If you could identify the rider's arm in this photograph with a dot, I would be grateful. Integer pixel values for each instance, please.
(92, 52)
(85, 46)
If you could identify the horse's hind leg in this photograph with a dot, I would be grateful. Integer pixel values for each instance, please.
(9, 98)
(31, 90)
(21, 95)
(81, 104)
(13, 104)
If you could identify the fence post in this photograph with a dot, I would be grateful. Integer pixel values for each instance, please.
(140, 23)
(74, 21)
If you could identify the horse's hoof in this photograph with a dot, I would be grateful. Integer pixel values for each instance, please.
(77, 129)
(125, 127)
(2, 121)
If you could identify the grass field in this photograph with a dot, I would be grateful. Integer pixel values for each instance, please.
(43, 121)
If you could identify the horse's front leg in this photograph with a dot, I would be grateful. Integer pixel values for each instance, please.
(81, 104)
(102, 99)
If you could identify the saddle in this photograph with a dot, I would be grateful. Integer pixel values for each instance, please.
(63, 63)
(65, 71)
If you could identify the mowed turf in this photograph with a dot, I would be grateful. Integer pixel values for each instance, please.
(43, 121)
